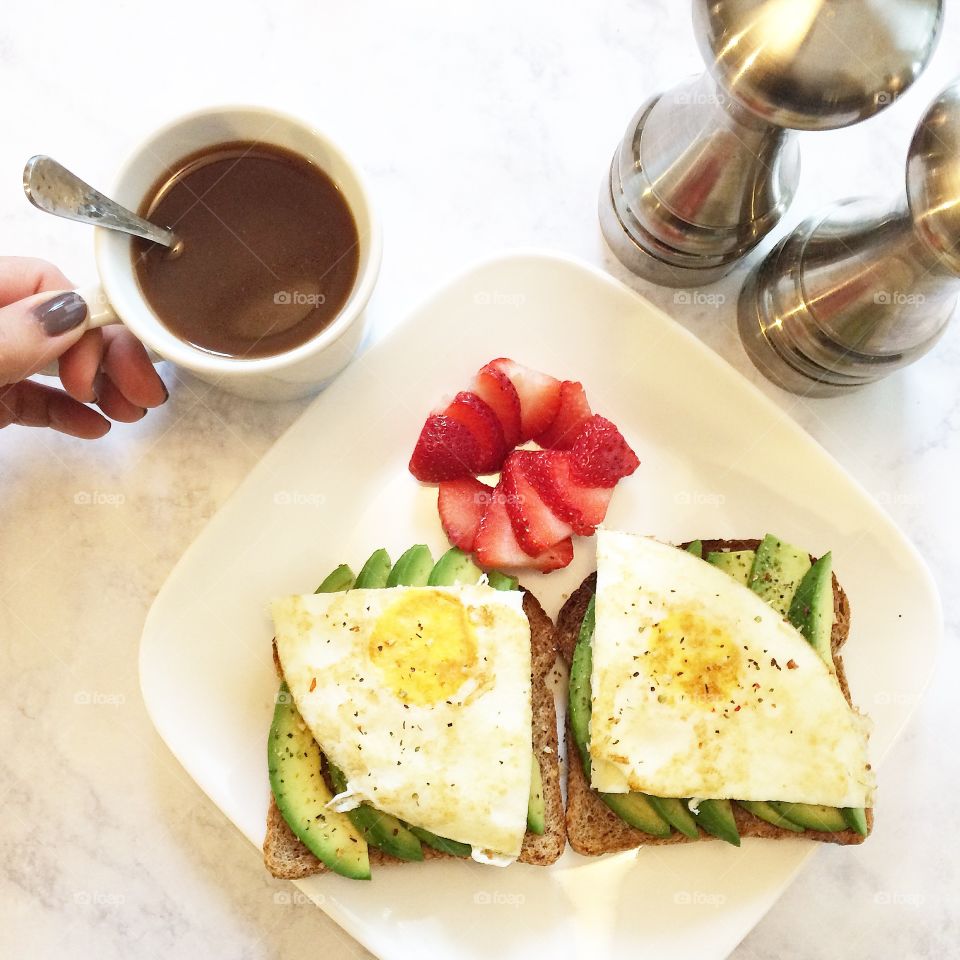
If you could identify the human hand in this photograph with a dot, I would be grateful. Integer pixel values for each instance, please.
(42, 320)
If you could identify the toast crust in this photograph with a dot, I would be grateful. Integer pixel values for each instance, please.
(592, 827)
(288, 859)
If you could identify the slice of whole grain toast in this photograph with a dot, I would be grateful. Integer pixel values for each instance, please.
(287, 858)
(592, 827)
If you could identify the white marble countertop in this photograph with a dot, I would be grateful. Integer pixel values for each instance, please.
(482, 127)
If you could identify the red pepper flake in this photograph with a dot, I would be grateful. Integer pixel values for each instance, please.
(313, 684)
(791, 664)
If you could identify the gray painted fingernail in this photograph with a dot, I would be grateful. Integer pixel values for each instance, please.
(61, 313)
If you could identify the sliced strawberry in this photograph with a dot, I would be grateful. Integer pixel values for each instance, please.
(548, 473)
(536, 526)
(495, 388)
(537, 468)
(573, 413)
(445, 450)
(461, 504)
(496, 545)
(467, 408)
(539, 396)
(558, 556)
(600, 456)
(590, 503)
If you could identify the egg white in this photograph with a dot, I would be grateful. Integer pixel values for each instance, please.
(701, 689)
(459, 766)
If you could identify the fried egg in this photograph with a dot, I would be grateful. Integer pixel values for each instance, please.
(421, 696)
(700, 689)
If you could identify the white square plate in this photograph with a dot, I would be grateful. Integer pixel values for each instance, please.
(718, 460)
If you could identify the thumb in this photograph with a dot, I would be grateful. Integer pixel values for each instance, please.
(36, 330)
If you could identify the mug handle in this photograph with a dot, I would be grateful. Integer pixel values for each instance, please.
(100, 313)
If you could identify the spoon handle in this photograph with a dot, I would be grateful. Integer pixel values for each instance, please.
(54, 189)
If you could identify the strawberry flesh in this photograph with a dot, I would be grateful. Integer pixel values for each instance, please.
(573, 413)
(445, 450)
(536, 526)
(461, 504)
(539, 396)
(496, 544)
(600, 456)
(544, 495)
(590, 503)
(467, 408)
(496, 389)
(548, 473)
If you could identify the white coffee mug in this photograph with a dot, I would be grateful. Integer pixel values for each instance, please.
(119, 299)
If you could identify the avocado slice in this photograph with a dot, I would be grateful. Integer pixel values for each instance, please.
(454, 566)
(374, 573)
(813, 816)
(536, 809)
(633, 808)
(716, 817)
(736, 563)
(381, 829)
(636, 810)
(856, 819)
(339, 580)
(677, 814)
(777, 570)
(696, 548)
(302, 794)
(502, 581)
(763, 811)
(413, 568)
(454, 847)
(579, 695)
(811, 610)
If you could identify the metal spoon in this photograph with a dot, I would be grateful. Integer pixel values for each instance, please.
(51, 187)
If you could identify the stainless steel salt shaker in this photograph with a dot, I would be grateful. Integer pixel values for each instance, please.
(706, 169)
(865, 287)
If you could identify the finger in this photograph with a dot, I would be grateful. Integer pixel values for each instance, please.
(126, 363)
(36, 330)
(32, 404)
(24, 276)
(80, 364)
(114, 404)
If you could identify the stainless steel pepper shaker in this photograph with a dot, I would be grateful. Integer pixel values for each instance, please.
(706, 169)
(864, 288)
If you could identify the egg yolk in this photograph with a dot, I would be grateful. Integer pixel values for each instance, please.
(424, 646)
(692, 659)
